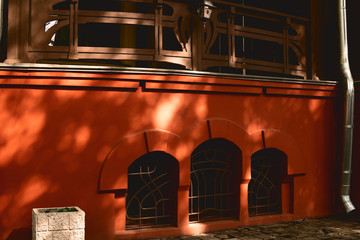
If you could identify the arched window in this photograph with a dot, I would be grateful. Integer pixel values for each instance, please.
(152, 191)
(268, 170)
(215, 176)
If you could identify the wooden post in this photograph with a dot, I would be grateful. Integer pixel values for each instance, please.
(73, 45)
(231, 37)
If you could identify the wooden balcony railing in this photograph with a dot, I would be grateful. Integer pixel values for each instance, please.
(238, 38)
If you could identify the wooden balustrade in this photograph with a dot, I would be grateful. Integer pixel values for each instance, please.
(159, 33)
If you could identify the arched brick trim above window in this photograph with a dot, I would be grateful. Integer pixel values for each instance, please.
(113, 174)
(273, 138)
(221, 128)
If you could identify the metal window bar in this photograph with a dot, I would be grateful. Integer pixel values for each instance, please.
(212, 195)
(149, 202)
(264, 194)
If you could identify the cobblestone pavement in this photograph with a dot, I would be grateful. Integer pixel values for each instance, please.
(307, 229)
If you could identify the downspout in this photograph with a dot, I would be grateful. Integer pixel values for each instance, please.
(348, 114)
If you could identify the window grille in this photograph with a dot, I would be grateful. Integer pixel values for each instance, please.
(152, 191)
(267, 172)
(213, 192)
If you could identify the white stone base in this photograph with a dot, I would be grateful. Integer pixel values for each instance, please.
(58, 224)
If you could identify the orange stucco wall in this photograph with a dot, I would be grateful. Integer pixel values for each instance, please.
(66, 139)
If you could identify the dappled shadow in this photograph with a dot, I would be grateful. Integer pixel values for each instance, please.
(54, 141)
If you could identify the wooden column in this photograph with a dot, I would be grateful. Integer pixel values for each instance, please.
(231, 37)
(73, 29)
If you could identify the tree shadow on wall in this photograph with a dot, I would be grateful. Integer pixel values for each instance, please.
(54, 139)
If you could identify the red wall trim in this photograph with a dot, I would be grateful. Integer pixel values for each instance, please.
(168, 83)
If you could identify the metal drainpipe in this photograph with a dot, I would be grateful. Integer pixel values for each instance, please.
(348, 114)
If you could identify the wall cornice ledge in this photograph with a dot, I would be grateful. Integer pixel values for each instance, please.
(54, 76)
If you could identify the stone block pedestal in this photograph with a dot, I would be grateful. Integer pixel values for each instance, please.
(58, 223)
